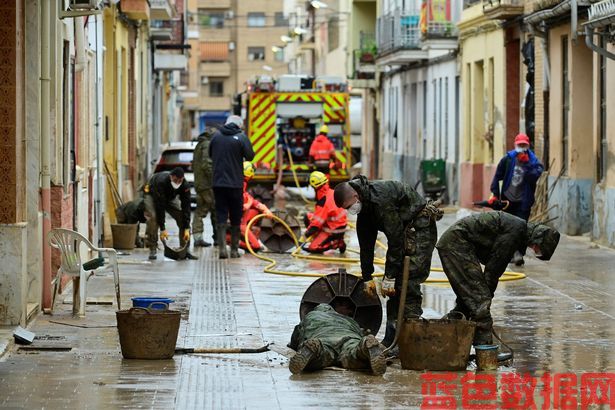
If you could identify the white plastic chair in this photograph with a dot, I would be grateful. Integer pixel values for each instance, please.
(69, 244)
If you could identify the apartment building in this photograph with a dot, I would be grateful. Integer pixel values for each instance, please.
(236, 41)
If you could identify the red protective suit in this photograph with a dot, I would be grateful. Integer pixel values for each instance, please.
(251, 208)
(322, 152)
(327, 223)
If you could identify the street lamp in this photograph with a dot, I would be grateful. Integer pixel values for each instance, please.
(286, 39)
(299, 31)
(276, 49)
(319, 4)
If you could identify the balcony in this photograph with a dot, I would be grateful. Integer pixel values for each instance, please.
(136, 9)
(601, 14)
(404, 37)
(364, 58)
(214, 4)
(162, 9)
(502, 9)
(216, 69)
(161, 30)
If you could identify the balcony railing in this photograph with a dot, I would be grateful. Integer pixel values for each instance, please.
(398, 31)
(409, 30)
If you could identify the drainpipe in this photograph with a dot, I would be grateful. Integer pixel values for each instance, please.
(589, 36)
(45, 150)
(99, 137)
(574, 17)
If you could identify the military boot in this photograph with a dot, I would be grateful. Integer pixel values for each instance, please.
(413, 311)
(310, 349)
(371, 349)
(221, 233)
(199, 241)
(482, 336)
(153, 254)
(235, 235)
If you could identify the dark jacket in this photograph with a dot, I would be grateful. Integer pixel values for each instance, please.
(131, 212)
(202, 165)
(504, 172)
(387, 206)
(492, 236)
(162, 191)
(228, 148)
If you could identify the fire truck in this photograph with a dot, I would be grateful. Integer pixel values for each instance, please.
(284, 116)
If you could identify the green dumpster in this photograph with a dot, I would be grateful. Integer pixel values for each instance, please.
(433, 177)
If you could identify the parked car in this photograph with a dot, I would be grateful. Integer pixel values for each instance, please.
(179, 154)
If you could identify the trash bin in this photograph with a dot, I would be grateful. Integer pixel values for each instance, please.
(124, 236)
(433, 177)
(148, 333)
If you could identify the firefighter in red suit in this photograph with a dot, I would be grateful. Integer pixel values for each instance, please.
(251, 208)
(327, 224)
(322, 151)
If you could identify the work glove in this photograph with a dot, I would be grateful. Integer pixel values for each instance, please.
(186, 235)
(432, 210)
(492, 199)
(310, 232)
(164, 235)
(388, 287)
(369, 287)
(523, 157)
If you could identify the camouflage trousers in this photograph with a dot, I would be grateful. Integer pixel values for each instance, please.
(474, 291)
(204, 205)
(151, 226)
(421, 239)
(346, 353)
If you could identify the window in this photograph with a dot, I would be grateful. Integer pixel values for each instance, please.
(280, 20)
(216, 87)
(214, 51)
(565, 104)
(278, 55)
(256, 53)
(211, 19)
(334, 33)
(256, 19)
(602, 138)
(184, 78)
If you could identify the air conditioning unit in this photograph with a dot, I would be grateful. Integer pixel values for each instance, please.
(84, 4)
(229, 15)
(231, 46)
(204, 80)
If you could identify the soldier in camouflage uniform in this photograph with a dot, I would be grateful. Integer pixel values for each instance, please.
(488, 238)
(326, 338)
(203, 173)
(409, 224)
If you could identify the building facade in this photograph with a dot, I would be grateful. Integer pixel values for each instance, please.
(419, 89)
(237, 41)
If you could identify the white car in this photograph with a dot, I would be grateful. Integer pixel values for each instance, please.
(179, 154)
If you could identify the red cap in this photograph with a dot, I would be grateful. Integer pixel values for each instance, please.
(522, 139)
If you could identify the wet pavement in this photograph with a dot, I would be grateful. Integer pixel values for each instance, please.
(560, 319)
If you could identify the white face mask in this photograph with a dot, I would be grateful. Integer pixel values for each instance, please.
(175, 185)
(520, 149)
(355, 208)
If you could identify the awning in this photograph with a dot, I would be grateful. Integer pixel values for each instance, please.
(214, 51)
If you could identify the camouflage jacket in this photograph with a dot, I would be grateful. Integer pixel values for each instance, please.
(328, 326)
(387, 206)
(202, 165)
(492, 236)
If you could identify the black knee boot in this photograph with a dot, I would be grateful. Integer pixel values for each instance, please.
(235, 234)
(221, 234)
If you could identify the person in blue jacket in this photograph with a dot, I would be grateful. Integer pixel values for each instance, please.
(518, 171)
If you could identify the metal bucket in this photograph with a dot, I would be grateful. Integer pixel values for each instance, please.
(148, 333)
(441, 344)
(486, 357)
(176, 254)
(124, 236)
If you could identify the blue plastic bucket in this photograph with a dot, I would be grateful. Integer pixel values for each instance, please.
(160, 303)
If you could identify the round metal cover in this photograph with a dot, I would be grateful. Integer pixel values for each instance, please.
(273, 234)
(345, 293)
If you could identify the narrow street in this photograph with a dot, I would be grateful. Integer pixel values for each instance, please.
(560, 319)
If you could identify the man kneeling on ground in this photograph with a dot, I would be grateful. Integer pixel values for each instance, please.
(326, 338)
(490, 238)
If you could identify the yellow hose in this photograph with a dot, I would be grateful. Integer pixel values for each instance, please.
(506, 277)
